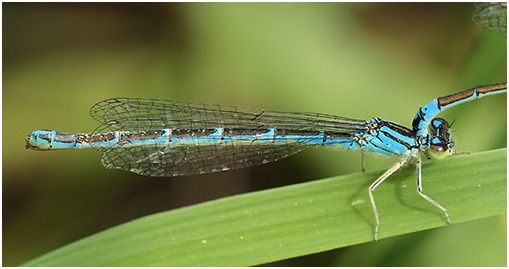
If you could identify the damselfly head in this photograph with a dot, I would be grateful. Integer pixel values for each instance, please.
(440, 142)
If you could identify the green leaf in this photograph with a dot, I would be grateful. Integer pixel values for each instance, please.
(296, 220)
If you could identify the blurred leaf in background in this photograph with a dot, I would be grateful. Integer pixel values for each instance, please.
(492, 16)
(358, 60)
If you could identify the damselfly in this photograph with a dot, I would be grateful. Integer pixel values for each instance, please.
(161, 138)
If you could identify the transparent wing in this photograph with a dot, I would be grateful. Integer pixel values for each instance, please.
(191, 160)
(155, 114)
(136, 114)
(491, 16)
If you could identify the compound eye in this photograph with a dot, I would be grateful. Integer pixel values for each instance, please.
(439, 148)
(439, 151)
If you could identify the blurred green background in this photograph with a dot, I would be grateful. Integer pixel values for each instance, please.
(356, 60)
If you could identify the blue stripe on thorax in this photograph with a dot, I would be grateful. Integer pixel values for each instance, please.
(389, 138)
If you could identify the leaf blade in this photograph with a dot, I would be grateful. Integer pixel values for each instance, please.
(290, 221)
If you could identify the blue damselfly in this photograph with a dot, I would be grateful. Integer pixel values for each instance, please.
(162, 138)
